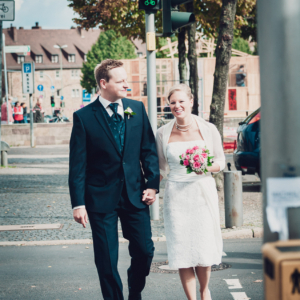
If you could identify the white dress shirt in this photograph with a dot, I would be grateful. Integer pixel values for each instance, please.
(105, 104)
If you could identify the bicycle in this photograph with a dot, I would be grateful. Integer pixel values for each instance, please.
(4, 8)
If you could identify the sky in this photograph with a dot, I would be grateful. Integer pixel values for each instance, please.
(51, 14)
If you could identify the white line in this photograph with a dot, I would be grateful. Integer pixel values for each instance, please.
(233, 283)
(224, 254)
(240, 296)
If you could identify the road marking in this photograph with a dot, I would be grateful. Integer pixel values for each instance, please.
(240, 296)
(233, 284)
(224, 254)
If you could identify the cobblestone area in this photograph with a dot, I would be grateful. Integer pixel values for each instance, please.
(28, 198)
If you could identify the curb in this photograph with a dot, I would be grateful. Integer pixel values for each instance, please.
(236, 234)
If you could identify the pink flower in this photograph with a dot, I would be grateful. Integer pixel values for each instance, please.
(203, 149)
(196, 165)
(187, 157)
(196, 157)
(187, 151)
(191, 151)
(202, 159)
(196, 148)
(186, 162)
(204, 155)
(182, 156)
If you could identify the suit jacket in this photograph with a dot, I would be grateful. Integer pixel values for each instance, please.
(98, 171)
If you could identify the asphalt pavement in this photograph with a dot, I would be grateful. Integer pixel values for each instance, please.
(68, 272)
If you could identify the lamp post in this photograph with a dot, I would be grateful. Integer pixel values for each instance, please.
(61, 66)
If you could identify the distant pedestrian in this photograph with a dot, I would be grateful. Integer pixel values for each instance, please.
(240, 76)
(18, 110)
(24, 106)
(4, 112)
(38, 113)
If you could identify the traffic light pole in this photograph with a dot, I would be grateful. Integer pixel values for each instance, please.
(1, 52)
(280, 105)
(151, 92)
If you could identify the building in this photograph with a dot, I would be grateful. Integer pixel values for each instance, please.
(47, 60)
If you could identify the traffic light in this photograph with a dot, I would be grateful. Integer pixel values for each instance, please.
(172, 18)
(150, 5)
(52, 101)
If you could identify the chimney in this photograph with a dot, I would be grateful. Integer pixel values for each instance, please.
(21, 27)
(13, 31)
(80, 31)
(36, 26)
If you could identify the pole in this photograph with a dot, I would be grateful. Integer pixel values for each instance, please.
(31, 122)
(5, 74)
(1, 86)
(152, 101)
(280, 107)
(61, 72)
(233, 198)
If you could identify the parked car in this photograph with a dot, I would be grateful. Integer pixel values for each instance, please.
(246, 155)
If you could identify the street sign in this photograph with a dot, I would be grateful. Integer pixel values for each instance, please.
(61, 98)
(40, 87)
(17, 49)
(52, 88)
(7, 10)
(28, 77)
(86, 97)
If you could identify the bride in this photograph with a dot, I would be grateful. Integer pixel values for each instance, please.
(191, 211)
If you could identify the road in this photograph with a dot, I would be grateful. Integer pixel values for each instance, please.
(68, 272)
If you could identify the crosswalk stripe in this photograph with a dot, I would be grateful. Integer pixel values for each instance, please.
(233, 283)
(240, 296)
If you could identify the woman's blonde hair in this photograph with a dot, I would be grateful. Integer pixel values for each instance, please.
(181, 87)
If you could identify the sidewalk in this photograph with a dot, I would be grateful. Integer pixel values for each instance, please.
(34, 190)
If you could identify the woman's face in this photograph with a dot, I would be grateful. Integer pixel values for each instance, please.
(181, 105)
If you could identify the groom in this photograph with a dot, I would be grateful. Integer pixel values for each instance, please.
(112, 152)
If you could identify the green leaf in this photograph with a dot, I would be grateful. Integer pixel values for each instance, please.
(181, 162)
(189, 170)
(133, 113)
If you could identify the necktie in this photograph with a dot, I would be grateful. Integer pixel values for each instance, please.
(116, 117)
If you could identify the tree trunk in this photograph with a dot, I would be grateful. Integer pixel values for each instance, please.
(223, 55)
(181, 56)
(192, 58)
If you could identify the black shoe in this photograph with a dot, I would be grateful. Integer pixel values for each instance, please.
(135, 297)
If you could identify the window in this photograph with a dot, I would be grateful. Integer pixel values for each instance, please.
(54, 58)
(75, 93)
(74, 73)
(21, 58)
(85, 57)
(57, 74)
(71, 58)
(58, 93)
(38, 59)
(41, 74)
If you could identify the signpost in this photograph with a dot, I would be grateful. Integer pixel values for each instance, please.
(40, 87)
(28, 88)
(7, 13)
(17, 49)
(86, 97)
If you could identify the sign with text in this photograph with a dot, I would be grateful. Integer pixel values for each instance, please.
(28, 77)
(17, 49)
(7, 10)
(86, 97)
(232, 99)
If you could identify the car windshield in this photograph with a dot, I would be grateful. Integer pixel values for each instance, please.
(249, 118)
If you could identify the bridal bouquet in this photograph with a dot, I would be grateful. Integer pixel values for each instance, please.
(196, 160)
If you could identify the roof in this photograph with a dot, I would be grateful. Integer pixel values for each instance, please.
(42, 41)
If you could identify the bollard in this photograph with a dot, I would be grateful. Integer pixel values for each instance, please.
(233, 198)
(4, 158)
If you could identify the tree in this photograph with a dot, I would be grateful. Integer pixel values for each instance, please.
(109, 45)
(241, 45)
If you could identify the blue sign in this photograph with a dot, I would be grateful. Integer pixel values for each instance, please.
(61, 98)
(52, 88)
(27, 68)
(86, 97)
(40, 87)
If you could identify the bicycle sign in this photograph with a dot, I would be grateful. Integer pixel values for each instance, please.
(7, 10)
(150, 2)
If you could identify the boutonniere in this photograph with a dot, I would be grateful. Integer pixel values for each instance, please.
(129, 112)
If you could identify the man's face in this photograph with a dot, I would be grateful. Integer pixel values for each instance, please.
(117, 85)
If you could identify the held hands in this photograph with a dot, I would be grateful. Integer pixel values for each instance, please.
(80, 216)
(149, 196)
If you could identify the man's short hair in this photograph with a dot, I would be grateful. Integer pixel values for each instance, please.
(102, 70)
(241, 66)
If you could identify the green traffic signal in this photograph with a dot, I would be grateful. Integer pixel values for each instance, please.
(149, 5)
(173, 19)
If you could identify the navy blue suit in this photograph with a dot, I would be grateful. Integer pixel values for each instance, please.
(110, 184)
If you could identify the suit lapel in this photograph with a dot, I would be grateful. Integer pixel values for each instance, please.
(101, 116)
(128, 123)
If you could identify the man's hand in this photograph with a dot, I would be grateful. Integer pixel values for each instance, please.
(149, 196)
(80, 216)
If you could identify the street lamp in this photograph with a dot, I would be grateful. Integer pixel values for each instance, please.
(61, 67)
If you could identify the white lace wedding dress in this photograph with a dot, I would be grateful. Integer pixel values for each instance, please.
(191, 213)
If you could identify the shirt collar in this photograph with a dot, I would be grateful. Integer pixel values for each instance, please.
(106, 103)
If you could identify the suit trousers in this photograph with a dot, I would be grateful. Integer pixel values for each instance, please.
(136, 228)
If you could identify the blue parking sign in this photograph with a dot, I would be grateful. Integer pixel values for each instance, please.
(27, 68)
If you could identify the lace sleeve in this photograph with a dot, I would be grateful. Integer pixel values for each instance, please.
(163, 164)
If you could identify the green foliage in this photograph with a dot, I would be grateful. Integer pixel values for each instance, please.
(163, 42)
(241, 45)
(109, 45)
